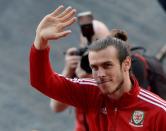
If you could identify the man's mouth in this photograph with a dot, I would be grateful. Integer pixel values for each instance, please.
(103, 81)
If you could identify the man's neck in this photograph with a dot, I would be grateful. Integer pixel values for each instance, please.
(124, 88)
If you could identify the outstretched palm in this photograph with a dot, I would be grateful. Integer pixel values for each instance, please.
(53, 25)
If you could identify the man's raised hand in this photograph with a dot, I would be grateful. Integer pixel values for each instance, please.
(53, 25)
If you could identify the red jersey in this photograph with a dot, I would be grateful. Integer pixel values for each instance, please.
(81, 121)
(137, 110)
(82, 124)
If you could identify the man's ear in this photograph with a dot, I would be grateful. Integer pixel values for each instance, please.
(127, 64)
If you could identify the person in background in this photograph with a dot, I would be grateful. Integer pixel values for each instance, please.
(161, 54)
(71, 62)
(90, 30)
(114, 91)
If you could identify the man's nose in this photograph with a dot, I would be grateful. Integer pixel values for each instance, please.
(101, 72)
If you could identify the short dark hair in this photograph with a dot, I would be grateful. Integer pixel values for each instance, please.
(121, 46)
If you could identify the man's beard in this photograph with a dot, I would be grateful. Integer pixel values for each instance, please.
(118, 87)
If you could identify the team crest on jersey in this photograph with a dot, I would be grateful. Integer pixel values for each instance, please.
(137, 118)
(104, 110)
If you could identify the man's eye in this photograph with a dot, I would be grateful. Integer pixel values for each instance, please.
(108, 65)
(94, 68)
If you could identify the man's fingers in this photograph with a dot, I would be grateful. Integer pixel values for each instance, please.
(66, 11)
(74, 58)
(69, 22)
(63, 34)
(57, 11)
(68, 16)
(56, 36)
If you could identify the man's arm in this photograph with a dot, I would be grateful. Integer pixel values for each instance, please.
(42, 77)
(57, 106)
(71, 62)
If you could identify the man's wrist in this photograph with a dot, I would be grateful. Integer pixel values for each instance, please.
(40, 43)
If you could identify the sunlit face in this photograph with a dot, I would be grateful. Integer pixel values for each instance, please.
(106, 69)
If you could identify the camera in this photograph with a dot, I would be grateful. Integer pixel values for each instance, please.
(85, 20)
(84, 63)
